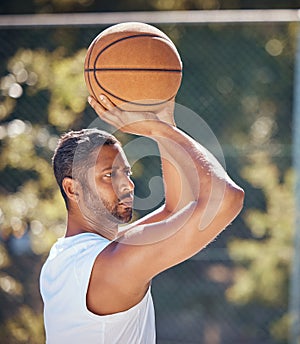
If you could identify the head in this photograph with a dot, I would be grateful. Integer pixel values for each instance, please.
(93, 174)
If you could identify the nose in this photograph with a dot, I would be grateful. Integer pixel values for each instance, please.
(126, 184)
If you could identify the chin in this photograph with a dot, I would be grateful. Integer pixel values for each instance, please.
(122, 215)
(125, 217)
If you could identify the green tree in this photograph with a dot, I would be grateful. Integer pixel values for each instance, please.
(32, 210)
(263, 260)
(48, 6)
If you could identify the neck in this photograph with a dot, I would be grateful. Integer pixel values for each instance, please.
(77, 225)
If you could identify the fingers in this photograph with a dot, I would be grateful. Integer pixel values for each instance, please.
(105, 110)
(105, 102)
(95, 105)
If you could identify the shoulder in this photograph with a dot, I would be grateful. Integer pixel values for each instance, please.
(113, 287)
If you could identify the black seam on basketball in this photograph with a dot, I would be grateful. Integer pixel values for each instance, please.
(88, 76)
(133, 70)
(150, 104)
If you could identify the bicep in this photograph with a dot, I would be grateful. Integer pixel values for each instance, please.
(160, 214)
(158, 246)
(149, 249)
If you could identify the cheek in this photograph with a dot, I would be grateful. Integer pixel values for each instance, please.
(106, 191)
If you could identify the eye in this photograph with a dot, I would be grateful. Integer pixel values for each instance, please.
(128, 173)
(110, 174)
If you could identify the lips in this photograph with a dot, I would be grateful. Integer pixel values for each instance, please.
(127, 202)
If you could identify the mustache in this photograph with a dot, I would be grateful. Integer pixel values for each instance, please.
(125, 196)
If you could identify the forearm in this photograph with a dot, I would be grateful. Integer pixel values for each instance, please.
(190, 172)
(178, 191)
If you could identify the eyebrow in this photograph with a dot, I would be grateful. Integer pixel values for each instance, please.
(105, 169)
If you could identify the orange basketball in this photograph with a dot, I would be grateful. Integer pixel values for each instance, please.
(135, 64)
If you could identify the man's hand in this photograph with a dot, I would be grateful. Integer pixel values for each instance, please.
(139, 123)
(166, 114)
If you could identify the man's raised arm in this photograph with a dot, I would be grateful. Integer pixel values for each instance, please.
(206, 199)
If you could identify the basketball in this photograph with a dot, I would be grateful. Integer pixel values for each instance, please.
(135, 65)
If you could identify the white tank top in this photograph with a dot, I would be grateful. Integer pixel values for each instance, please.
(64, 282)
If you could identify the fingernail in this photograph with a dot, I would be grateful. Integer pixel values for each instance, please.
(102, 97)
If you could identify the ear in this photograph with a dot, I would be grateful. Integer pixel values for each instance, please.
(71, 188)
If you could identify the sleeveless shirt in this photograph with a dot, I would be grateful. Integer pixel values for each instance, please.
(64, 283)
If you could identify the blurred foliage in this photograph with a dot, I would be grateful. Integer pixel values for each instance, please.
(48, 6)
(26, 327)
(239, 78)
(263, 262)
(32, 212)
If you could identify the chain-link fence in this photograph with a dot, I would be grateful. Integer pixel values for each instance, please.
(239, 79)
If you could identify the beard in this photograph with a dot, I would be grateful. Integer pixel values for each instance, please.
(104, 213)
(122, 216)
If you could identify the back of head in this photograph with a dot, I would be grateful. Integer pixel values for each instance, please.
(73, 153)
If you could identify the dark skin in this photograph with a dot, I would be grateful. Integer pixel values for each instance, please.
(200, 201)
(111, 187)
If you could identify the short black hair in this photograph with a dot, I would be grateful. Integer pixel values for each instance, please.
(80, 143)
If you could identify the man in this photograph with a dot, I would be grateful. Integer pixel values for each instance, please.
(96, 281)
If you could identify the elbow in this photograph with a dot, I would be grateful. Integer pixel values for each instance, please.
(234, 199)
